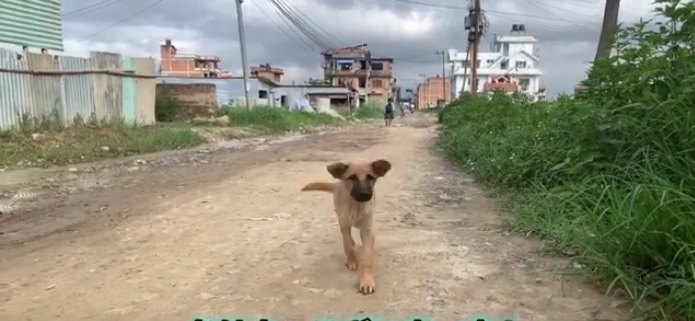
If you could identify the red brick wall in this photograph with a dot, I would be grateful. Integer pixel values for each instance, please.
(195, 99)
(432, 90)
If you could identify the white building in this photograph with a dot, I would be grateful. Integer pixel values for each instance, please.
(512, 60)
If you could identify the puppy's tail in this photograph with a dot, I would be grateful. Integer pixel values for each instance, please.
(319, 186)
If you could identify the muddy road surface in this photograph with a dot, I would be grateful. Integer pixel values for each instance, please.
(226, 232)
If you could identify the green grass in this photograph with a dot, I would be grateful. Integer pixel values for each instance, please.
(46, 142)
(369, 111)
(277, 120)
(609, 174)
(89, 143)
(365, 112)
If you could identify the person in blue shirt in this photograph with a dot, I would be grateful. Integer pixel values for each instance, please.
(388, 113)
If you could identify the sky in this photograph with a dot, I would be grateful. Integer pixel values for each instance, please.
(411, 31)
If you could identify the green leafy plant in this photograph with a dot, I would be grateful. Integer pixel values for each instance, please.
(166, 106)
(610, 172)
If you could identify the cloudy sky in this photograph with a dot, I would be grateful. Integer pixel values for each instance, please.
(409, 30)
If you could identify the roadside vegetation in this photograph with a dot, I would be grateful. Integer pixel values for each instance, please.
(45, 145)
(46, 141)
(607, 176)
(368, 111)
(271, 120)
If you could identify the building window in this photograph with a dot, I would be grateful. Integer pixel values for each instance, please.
(378, 66)
(346, 66)
(490, 61)
(377, 83)
(504, 65)
(524, 83)
(262, 94)
(520, 64)
(362, 82)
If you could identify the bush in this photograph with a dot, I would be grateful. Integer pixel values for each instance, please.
(610, 172)
(276, 120)
(369, 111)
(166, 106)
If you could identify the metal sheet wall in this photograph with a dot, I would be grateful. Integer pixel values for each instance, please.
(86, 92)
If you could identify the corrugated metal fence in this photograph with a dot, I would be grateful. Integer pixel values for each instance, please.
(105, 86)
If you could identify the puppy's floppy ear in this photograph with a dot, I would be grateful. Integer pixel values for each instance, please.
(337, 169)
(381, 167)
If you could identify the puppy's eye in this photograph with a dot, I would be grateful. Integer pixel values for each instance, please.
(352, 177)
(370, 177)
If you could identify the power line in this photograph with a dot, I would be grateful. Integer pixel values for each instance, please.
(299, 24)
(90, 8)
(432, 5)
(301, 43)
(498, 12)
(542, 8)
(137, 13)
(310, 22)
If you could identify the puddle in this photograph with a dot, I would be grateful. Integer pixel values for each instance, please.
(7, 206)
(87, 183)
(26, 194)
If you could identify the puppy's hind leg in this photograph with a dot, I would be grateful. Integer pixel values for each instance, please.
(349, 247)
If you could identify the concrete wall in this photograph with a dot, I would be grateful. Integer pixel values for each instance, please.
(228, 91)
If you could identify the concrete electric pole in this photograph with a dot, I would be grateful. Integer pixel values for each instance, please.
(443, 53)
(476, 40)
(242, 45)
(608, 29)
(425, 91)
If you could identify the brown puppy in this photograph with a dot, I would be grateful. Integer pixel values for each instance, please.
(353, 197)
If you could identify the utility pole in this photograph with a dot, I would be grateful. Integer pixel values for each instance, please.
(608, 29)
(475, 41)
(443, 53)
(242, 45)
(367, 81)
(425, 91)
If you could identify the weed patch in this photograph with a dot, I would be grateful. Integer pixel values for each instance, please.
(608, 174)
(89, 143)
(277, 120)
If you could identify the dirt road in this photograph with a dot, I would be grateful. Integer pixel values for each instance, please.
(226, 232)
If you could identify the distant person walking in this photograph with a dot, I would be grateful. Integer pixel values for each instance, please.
(396, 95)
(388, 113)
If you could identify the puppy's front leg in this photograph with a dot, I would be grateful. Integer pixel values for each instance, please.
(349, 247)
(367, 285)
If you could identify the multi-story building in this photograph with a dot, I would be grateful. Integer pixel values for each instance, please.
(265, 71)
(512, 65)
(434, 91)
(356, 69)
(174, 64)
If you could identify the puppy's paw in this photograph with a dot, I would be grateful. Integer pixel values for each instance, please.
(367, 285)
(351, 265)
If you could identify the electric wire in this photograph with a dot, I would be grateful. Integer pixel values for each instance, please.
(117, 23)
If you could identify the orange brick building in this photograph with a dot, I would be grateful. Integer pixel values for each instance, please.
(174, 64)
(434, 90)
(265, 71)
(356, 68)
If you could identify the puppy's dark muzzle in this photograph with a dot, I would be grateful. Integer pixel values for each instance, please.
(361, 196)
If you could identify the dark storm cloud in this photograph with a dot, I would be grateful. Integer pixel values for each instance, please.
(567, 31)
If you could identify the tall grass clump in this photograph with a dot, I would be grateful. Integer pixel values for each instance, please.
(276, 120)
(369, 111)
(609, 173)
